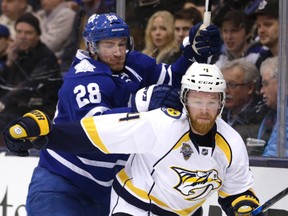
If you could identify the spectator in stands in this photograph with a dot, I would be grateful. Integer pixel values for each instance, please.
(29, 64)
(267, 28)
(56, 22)
(236, 31)
(11, 11)
(240, 110)
(4, 42)
(269, 73)
(183, 21)
(160, 40)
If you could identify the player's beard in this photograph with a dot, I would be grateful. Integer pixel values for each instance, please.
(203, 128)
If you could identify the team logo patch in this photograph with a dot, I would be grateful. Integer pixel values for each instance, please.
(84, 66)
(204, 152)
(186, 151)
(196, 185)
(18, 130)
(171, 112)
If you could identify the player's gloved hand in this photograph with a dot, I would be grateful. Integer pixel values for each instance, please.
(27, 132)
(156, 96)
(244, 205)
(202, 43)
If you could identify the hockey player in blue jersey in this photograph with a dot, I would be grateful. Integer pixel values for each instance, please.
(99, 79)
(179, 159)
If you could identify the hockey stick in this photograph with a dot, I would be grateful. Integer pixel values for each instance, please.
(206, 22)
(207, 14)
(270, 202)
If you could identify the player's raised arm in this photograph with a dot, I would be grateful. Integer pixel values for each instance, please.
(33, 129)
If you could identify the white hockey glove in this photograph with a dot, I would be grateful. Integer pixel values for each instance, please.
(156, 96)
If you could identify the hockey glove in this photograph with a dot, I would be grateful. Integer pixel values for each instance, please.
(27, 132)
(244, 205)
(202, 43)
(156, 96)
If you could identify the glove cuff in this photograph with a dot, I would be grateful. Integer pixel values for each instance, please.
(41, 120)
(141, 100)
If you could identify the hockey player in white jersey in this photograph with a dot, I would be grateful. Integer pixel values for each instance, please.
(179, 159)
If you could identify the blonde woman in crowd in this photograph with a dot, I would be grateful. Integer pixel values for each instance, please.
(160, 40)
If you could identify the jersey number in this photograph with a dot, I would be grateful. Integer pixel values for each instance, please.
(87, 94)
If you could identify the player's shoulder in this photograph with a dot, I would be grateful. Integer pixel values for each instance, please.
(84, 65)
(230, 135)
(167, 114)
(225, 129)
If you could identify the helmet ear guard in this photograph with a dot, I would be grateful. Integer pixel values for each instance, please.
(205, 78)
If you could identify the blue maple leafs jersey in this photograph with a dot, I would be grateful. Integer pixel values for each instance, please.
(90, 89)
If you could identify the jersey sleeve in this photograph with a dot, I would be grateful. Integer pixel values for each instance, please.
(238, 184)
(153, 73)
(114, 133)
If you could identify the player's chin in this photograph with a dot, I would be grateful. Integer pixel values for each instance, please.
(117, 67)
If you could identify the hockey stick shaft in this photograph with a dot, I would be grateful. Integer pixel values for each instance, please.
(270, 202)
(207, 14)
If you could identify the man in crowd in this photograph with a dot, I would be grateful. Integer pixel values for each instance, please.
(242, 98)
(267, 22)
(28, 65)
(11, 11)
(269, 72)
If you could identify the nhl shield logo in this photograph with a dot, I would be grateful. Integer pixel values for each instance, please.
(186, 151)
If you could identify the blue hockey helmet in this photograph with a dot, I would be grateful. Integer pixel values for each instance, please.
(105, 26)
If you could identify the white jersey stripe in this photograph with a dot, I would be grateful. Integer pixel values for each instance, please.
(102, 163)
(134, 73)
(163, 75)
(78, 170)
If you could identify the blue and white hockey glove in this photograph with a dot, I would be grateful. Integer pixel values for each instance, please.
(27, 132)
(156, 96)
(201, 43)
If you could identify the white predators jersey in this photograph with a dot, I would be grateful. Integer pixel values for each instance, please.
(168, 172)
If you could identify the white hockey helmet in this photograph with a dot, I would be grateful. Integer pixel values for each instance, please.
(205, 78)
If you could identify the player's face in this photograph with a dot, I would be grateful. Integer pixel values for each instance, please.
(26, 36)
(182, 28)
(203, 108)
(267, 29)
(113, 53)
(234, 38)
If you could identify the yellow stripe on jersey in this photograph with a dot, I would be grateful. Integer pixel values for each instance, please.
(184, 138)
(143, 195)
(89, 126)
(224, 146)
(222, 194)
